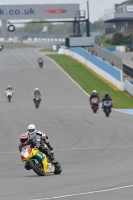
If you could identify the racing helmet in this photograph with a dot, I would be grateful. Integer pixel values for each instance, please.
(40, 60)
(24, 138)
(31, 129)
(106, 94)
(36, 89)
(94, 91)
(9, 86)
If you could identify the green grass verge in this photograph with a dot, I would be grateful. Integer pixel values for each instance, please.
(89, 82)
(11, 45)
(48, 50)
(103, 42)
(106, 44)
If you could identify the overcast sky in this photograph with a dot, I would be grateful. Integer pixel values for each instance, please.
(96, 7)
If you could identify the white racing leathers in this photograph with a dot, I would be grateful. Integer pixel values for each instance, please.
(9, 94)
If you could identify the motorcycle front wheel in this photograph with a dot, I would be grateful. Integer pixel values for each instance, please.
(37, 168)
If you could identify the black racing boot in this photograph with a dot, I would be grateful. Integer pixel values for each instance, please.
(52, 159)
(49, 155)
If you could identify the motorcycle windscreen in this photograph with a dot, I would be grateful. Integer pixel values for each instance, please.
(25, 152)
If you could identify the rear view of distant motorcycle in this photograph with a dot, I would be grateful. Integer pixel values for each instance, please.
(1, 47)
(40, 62)
(107, 105)
(94, 100)
(37, 101)
(94, 104)
(9, 93)
(37, 97)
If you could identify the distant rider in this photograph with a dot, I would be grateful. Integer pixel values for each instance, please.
(1, 47)
(45, 146)
(40, 60)
(37, 93)
(94, 94)
(9, 88)
(106, 97)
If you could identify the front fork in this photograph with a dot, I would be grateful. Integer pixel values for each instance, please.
(42, 157)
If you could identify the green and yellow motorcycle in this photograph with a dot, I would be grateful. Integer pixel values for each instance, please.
(38, 162)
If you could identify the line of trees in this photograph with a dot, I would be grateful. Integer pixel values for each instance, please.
(62, 28)
(120, 39)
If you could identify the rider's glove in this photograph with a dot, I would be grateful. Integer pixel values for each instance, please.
(42, 147)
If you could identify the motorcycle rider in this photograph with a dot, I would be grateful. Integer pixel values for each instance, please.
(106, 97)
(9, 88)
(1, 47)
(37, 93)
(94, 94)
(40, 60)
(45, 146)
(25, 140)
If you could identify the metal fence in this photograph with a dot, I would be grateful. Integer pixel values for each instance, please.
(128, 70)
(129, 87)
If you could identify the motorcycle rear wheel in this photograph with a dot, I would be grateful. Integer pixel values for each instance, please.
(95, 108)
(41, 65)
(58, 168)
(107, 112)
(9, 98)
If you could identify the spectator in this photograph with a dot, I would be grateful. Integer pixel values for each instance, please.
(112, 63)
(92, 51)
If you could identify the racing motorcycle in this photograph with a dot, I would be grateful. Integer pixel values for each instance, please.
(38, 162)
(9, 94)
(94, 104)
(40, 62)
(37, 101)
(1, 47)
(107, 105)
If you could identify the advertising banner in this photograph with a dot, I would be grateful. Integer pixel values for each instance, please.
(40, 11)
(80, 42)
(130, 8)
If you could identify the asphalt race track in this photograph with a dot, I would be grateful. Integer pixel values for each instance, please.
(96, 152)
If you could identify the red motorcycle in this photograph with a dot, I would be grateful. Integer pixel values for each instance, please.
(40, 62)
(94, 104)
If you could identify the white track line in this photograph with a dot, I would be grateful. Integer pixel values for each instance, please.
(88, 148)
(68, 76)
(71, 149)
(85, 193)
(10, 152)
